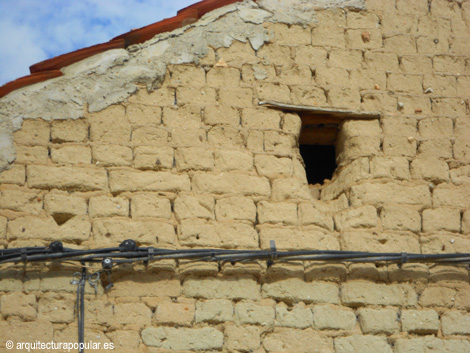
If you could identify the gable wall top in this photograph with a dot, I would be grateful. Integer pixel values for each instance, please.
(116, 69)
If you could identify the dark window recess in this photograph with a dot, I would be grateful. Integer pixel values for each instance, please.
(320, 162)
(317, 140)
(317, 146)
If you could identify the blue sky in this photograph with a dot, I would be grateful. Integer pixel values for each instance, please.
(35, 30)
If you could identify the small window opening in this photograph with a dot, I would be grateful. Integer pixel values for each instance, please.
(320, 162)
(317, 147)
(317, 140)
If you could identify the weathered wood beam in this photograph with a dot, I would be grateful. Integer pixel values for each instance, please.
(339, 114)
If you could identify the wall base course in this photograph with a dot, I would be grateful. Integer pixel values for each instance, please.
(327, 317)
(215, 311)
(431, 343)
(378, 321)
(420, 321)
(229, 288)
(366, 343)
(296, 317)
(356, 294)
(294, 290)
(182, 339)
(253, 314)
(245, 338)
(257, 314)
(289, 340)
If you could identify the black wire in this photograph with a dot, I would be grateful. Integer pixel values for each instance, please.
(38, 254)
(81, 309)
(44, 254)
(145, 254)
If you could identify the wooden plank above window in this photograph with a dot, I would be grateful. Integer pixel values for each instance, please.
(332, 113)
(320, 125)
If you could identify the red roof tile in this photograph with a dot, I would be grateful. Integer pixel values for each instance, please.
(51, 68)
(206, 6)
(148, 32)
(28, 80)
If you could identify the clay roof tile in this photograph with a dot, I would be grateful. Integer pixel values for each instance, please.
(50, 68)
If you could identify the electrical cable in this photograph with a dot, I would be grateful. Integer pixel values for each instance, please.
(129, 252)
(81, 317)
(80, 280)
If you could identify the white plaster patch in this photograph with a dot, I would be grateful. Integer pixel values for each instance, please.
(99, 63)
(7, 151)
(111, 77)
(156, 49)
(255, 16)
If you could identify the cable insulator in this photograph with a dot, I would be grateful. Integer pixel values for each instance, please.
(107, 263)
(128, 245)
(272, 245)
(56, 246)
(24, 255)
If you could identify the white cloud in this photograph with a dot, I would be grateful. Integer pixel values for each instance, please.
(33, 30)
(19, 51)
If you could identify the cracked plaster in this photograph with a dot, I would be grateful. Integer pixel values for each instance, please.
(111, 77)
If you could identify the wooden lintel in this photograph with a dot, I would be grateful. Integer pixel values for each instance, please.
(317, 119)
(339, 114)
(325, 136)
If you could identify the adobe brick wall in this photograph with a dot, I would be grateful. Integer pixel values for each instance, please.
(198, 163)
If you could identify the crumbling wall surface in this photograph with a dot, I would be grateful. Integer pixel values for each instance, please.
(109, 78)
(187, 158)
